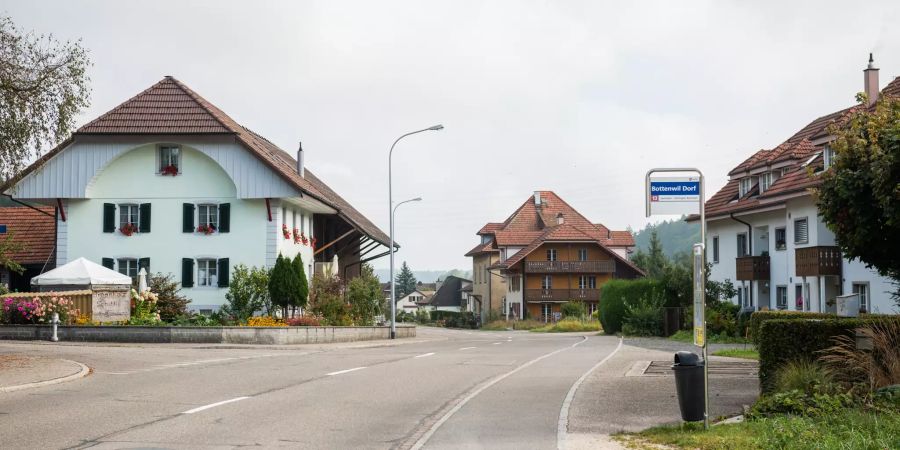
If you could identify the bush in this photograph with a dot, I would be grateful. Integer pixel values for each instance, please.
(568, 326)
(23, 310)
(527, 324)
(442, 315)
(248, 292)
(574, 309)
(169, 302)
(327, 301)
(616, 294)
(197, 320)
(364, 295)
(643, 318)
(757, 318)
(799, 403)
(303, 321)
(143, 309)
(803, 375)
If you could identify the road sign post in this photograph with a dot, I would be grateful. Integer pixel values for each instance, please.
(685, 195)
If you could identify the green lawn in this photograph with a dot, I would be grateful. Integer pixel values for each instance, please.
(688, 336)
(746, 353)
(853, 429)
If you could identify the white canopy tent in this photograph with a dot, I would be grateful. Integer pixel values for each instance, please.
(80, 273)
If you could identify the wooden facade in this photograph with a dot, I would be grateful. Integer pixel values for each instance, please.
(817, 261)
(750, 268)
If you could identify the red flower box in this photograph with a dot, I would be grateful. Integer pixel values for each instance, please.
(169, 170)
(128, 229)
(206, 229)
(285, 232)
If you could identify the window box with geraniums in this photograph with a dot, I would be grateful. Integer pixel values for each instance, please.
(285, 232)
(297, 236)
(169, 170)
(206, 229)
(128, 229)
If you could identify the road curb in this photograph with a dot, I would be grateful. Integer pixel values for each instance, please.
(83, 372)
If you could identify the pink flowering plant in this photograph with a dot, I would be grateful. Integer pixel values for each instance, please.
(144, 309)
(23, 310)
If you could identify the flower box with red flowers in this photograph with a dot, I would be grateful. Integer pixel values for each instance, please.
(128, 229)
(297, 236)
(206, 229)
(169, 170)
(285, 232)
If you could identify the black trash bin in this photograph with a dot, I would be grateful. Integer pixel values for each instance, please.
(688, 369)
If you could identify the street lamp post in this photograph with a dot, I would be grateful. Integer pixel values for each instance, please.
(393, 299)
(391, 217)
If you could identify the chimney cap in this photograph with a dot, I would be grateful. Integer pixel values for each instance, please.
(871, 62)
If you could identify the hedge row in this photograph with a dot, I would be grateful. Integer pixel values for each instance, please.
(616, 294)
(758, 317)
(785, 339)
(443, 315)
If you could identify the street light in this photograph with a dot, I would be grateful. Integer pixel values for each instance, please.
(391, 217)
(393, 299)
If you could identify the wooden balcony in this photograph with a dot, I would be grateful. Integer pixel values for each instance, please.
(561, 295)
(607, 266)
(818, 261)
(749, 268)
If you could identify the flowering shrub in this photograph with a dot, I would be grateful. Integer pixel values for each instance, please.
(128, 229)
(304, 321)
(297, 236)
(21, 310)
(143, 308)
(264, 321)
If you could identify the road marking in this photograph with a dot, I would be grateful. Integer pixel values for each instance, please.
(562, 427)
(467, 348)
(497, 343)
(425, 437)
(339, 372)
(426, 354)
(213, 405)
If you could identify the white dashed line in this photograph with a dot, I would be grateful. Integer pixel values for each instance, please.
(467, 348)
(339, 372)
(497, 343)
(426, 354)
(213, 405)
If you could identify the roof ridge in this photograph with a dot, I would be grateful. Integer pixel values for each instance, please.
(133, 97)
(204, 103)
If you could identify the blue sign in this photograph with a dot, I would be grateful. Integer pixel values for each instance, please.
(673, 195)
(674, 188)
(2, 229)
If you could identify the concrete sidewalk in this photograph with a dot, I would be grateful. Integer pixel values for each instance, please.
(18, 371)
(619, 397)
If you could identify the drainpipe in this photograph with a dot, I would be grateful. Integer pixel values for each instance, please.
(749, 250)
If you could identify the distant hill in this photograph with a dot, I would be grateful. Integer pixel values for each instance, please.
(676, 236)
(425, 276)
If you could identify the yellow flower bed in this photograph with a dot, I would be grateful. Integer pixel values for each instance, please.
(265, 321)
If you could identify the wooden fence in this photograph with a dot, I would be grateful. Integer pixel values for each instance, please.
(82, 299)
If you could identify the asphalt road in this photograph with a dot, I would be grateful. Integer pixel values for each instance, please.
(445, 389)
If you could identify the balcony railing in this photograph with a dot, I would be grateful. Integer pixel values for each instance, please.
(818, 261)
(750, 268)
(561, 295)
(607, 266)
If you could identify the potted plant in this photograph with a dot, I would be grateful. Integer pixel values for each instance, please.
(206, 229)
(169, 170)
(128, 229)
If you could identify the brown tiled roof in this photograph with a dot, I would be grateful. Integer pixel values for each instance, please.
(36, 232)
(490, 227)
(481, 248)
(170, 107)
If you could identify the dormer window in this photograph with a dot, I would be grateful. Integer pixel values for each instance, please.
(765, 180)
(828, 154)
(169, 160)
(744, 186)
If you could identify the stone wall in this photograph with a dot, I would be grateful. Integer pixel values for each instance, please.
(204, 335)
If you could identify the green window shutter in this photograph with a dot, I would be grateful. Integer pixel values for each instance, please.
(187, 211)
(109, 218)
(107, 262)
(224, 217)
(223, 272)
(144, 263)
(187, 272)
(144, 225)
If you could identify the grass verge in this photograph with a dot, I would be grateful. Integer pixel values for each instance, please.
(569, 326)
(503, 325)
(850, 429)
(688, 336)
(746, 353)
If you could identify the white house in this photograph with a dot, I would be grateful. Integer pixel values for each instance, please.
(765, 234)
(169, 182)
(411, 302)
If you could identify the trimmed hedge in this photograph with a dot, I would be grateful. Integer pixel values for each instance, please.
(443, 315)
(615, 294)
(758, 317)
(783, 340)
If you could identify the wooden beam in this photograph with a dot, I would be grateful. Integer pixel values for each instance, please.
(366, 247)
(322, 248)
(373, 257)
(343, 247)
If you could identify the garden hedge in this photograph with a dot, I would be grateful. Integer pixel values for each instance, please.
(616, 294)
(785, 339)
(443, 315)
(758, 317)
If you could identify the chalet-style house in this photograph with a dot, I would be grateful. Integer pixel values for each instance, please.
(168, 182)
(33, 230)
(545, 254)
(453, 294)
(764, 230)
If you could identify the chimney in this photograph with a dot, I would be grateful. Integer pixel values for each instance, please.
(870, 77)
(560, 219)
(537, 198)
(300, 159)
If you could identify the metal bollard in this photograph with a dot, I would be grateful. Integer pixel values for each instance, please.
(54, 338)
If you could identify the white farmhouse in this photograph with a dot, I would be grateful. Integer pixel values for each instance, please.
(169, 182)
(764, 230)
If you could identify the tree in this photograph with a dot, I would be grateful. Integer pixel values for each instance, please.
(364, 296)
(169, 302)
(248, 293)
(281, 283)
(8, 246)
(327, 300)
(859, 197)
(654, 261)
(300, 294)
(43, 86)
(405, 281)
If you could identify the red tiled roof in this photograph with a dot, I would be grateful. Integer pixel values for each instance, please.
(170, 107)
(34, 230)
(481, 248)
(490, 227)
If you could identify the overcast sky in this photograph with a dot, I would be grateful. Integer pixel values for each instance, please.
(581, 98)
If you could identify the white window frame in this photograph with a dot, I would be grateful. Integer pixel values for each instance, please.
(200, 207)
(546, 311)
(765, 180)
(211, 280)
(742, 237)
(130, 206)
(587, 282)
(802, 297)
(744, 186)
(546, 282)
(160, 159)
(582, 254)
(864, 295)
(128, 262)
(715, 249)
(806, 221)
(783, 230)
(828, 156)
